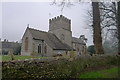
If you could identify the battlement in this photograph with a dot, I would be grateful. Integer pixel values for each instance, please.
(61, 17)
(60, 22)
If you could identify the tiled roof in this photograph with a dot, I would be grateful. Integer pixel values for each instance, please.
(50, 39)
(78, 40)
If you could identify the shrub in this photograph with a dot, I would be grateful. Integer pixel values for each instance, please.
(91, 49)
(61, 68)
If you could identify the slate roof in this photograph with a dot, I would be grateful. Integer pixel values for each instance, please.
(78, 40)
(50, 39)
(10, 45)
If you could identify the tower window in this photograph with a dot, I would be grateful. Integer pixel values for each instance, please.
(62, 37)
(39, 48)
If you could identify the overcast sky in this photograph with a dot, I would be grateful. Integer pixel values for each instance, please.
(16, 16)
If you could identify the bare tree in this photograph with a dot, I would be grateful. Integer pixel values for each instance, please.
(62, 3)
(118, 25)
(97, 39)
(108, 19)
(108, 22)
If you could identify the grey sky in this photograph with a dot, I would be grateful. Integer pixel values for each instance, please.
(16, 16)
(0, 19)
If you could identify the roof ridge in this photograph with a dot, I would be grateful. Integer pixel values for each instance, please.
(75, 37)
(78, 40)
(37, 30)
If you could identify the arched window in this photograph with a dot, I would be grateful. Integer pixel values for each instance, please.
(39, 48)
(26, 44)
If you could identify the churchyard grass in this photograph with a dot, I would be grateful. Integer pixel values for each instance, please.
(17, 57)
(106, 73)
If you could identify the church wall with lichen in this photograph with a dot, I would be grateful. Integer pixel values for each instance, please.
(61, 27)
(30, 44)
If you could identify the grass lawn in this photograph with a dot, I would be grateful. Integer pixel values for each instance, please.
(17, 57)
(107, 73)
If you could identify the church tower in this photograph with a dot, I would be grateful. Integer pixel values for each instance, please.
(61, 27)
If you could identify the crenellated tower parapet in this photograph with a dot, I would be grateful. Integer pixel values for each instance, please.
(59, 22)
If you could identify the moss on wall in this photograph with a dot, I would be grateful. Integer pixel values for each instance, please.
(61, 68)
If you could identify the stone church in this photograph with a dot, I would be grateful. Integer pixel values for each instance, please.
(58, 40)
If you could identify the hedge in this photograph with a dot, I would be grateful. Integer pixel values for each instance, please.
(62, 68)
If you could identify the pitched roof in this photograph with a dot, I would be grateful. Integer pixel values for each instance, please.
(50, 39)
(78, 40)
(10, 45)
